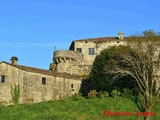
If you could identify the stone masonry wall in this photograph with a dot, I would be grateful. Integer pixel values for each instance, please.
(81, 70)
(31, 87)
(64, 59)
(75, 63)
(55, 87)
(98, 46)
(13, 76)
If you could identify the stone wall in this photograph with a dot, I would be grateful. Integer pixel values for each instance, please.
(13, 76)
(31, 87)
(67, 54)
(98, 47)
(103, 45)
(75, 63)
(55, 87)
(81, 70)
(64, 59)
(87, 59)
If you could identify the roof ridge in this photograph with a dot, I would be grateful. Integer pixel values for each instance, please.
(99, 39)
(42, 71)
(96, 38)
(31, 67)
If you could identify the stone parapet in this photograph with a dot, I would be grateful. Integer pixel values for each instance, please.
(67, 56)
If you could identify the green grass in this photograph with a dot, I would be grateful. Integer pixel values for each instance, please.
(74, 108)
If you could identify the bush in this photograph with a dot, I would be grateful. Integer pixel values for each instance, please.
(115, 93)
(92, 94)
(103, 94)
(126, 93)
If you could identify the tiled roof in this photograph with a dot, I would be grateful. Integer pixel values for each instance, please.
(43, 71)
(101, 39)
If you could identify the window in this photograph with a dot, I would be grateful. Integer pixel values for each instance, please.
(71, 85)
(79, 50)
(91, 51)
(2, 79)
(44, 81)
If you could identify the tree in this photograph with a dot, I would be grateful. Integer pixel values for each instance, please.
(137, 64)
(97, 79)
(100, 80)
(141, 61)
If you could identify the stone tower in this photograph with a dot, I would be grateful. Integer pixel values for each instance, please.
(64, 59)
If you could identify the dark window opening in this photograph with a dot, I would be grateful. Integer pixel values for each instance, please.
(79, 50)
(71, 85)
(91, 51)
(2, 79)
(44, 81)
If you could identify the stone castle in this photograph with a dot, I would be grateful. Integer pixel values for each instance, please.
(64, 77)
(78, 60)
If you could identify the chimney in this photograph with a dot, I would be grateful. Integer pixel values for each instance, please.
(14, 60)
(120, 35)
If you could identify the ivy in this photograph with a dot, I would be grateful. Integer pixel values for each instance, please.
(15, 93)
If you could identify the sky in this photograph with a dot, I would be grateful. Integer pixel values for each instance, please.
(29, 29)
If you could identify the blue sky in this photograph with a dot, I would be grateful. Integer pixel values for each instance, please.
(29, 29)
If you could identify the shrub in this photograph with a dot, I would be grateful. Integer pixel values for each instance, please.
(126, 93)
(92, 94)
(103, 94)
(115, 93)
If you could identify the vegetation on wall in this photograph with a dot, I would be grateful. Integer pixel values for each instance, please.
(15, 93)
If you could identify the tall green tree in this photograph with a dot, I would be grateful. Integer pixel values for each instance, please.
(101, 80)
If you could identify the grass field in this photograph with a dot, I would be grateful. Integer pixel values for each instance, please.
(75, 108)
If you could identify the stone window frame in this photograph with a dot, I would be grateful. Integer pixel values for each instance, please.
(3, 79)
(44, 81)
(91, 51)
(79, 50)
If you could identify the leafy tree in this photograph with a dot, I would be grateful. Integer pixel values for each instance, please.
(97, 78)
(148, 33)
(139, 60)
(100, 80)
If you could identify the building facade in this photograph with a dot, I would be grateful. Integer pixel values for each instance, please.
(78, 60)
(35, 84)
(64, 77)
